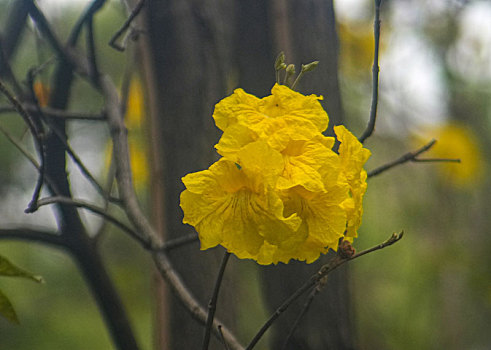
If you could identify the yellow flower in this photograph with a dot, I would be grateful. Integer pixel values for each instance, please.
(280, 192)
(235, 205)
(353, 156)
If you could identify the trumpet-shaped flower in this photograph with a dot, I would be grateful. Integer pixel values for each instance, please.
(235, 204)
(280, 192)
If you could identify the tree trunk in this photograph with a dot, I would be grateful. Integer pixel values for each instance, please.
(197, 52)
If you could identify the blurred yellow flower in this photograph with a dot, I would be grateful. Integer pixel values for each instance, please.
(134, 119)
(280, 192)
(356, 47)
(455, 140)
(134, 106)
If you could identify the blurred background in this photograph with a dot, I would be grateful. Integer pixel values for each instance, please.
(432, 290)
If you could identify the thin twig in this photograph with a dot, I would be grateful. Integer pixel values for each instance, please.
(41, 145)
(375, 73)
(34, 235)
(222, 338)
(76, 159)
(178, 242)
(84, 18)
(196, 310)
(96, 210)
(91, 50)
(334, 263)
(56, 113)
(125, 26)
(20, 147)
(410, 157)
(38, 134)
(30, 158)
(44, 27)
(28, 119)
(212, 306)
(436, 160)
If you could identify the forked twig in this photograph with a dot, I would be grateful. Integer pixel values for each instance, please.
(125, 26)
(334, 263)
(95, 210)
(222, 338)
(411, 157)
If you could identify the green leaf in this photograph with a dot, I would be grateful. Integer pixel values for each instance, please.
(10, 270)
(7, 310)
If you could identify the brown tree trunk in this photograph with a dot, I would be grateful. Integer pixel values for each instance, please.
(190, 45)
(197, 52)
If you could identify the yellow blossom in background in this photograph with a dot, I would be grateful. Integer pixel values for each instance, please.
(279, 192)
(356, 47)
(134, 120)
(455, 140)
(134, 106)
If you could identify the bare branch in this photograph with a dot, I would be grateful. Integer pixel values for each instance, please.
(57, 113)
(375, 72)
(411, 157)
(84, 18)
(76, 159)
(334, 263)
(212, 306)
(122, 161)
(125, 26)
(91, 51)
(44, 27)
(222, 338)
(41, 145)
(178, 242)
(96, 210)
(33, 234)
(20, 147)
(36, 128)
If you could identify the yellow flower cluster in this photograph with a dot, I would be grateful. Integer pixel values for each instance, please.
(279, 192)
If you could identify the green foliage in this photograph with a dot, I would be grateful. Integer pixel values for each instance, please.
(8, 269)
(6, 309)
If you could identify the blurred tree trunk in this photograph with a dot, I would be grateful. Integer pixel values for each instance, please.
(196, 53)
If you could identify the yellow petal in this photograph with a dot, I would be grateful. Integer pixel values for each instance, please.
(240, 106)
(353, 155)
(285, 101)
